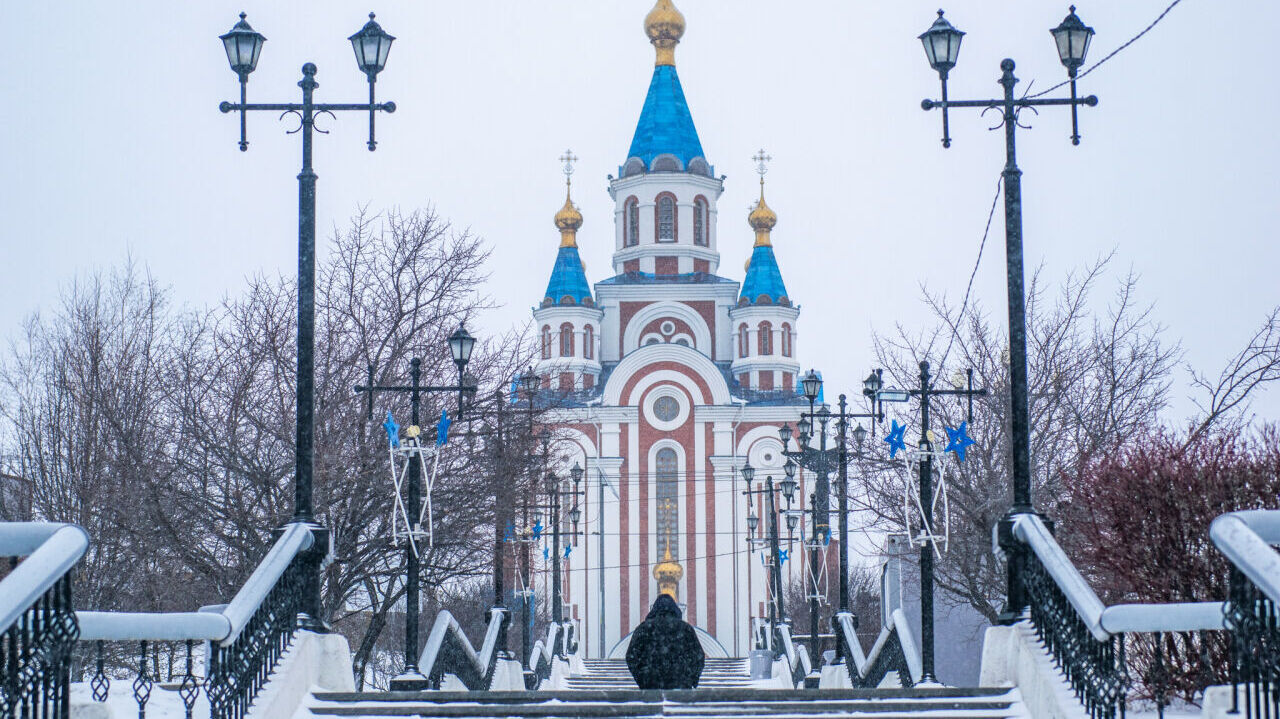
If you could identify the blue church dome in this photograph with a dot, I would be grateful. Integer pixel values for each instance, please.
(764, 279)
(568, 280)
(665, 126)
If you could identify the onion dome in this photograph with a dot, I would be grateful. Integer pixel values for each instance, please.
(665, 26)
(568, 220)
(762, 219)
(763, 283)
(668, 572)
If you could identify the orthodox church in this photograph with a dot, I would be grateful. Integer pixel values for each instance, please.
(671, 378)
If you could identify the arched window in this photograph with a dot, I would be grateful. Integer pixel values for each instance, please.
(632, 229)
(589, 342)
(665, 210)
(766, 338)
(546, 342)
(786, 340)
(566, 340)
(666, 492)
(742, 340)
(700, 221)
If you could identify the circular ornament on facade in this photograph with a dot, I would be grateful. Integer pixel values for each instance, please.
(666, 408)
(668, 327)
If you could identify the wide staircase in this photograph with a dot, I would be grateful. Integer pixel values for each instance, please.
(605, 689)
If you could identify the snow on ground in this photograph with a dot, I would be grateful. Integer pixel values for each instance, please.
(165, 702)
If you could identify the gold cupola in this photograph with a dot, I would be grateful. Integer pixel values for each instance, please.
(665, 26)
(668, 572)
(568, 220)
(762, 219)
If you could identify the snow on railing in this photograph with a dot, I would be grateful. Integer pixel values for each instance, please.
(795, 654)
(1084, 636)
(449, 652)
(37, 625)
(561, 641)
(1253, 609)
(895, 650)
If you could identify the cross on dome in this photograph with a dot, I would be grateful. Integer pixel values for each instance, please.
(761, 158)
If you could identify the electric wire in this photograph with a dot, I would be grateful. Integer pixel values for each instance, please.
(976, 263)
(1111, 54)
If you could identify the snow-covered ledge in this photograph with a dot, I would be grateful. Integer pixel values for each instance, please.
(313, 662)
(1013, 656)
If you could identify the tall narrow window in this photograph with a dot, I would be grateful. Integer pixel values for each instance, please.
(666, 492)
(566, 340)
(786, 340)
(632, 231)
(766, 338)
(666, 210)
(700, 222)
(546, 342)
(743, 342)
(589, 343)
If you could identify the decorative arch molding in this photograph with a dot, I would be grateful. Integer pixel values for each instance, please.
(569, 435)
(701, 332)
(755, 435)
(639, 392)
(637, 362)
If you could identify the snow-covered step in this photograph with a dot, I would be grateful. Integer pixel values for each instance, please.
(711, 703)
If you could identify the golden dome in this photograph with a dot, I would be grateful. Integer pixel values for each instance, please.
(665, 26)
(762, 219)
(668, 572)
(568, 220)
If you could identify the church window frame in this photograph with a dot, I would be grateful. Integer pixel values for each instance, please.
(589, 342)
(786, 339)
(546, 342)
(631, 226)
(765, 340)
(701, 235)
(744, 343)
(566, 340)
(666, 494)
(666, 223)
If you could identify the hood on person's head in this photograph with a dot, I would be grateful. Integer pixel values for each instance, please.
(664, 605)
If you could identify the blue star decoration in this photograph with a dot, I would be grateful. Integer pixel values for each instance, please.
(546, 554)
(537, 530)
(509, 533)
(442, 429)
(958, 440)
(827, 540)
(393, 431)
(782, 555)
(567, 549)
(896, 439)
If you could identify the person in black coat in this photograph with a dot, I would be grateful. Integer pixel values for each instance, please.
(664, 651)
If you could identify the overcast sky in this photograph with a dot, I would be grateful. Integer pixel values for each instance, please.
(112, 144)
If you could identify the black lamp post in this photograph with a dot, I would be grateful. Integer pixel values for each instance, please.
(460, 346)
(555, 493)
(243, 46)
(529, 383)
(821, 461)
(768, 502)
(874, 389)
(1071, 38)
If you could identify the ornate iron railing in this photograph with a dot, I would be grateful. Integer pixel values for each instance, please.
(38, 627)
(561, 642)
(894, 651)
(449, 652)
(1086, 638)
(1253, 609)
(795, 654)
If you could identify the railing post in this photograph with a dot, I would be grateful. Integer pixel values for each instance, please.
(1014, 556)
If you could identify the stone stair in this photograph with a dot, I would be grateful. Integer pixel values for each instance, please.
(613, 674)
(605, 690)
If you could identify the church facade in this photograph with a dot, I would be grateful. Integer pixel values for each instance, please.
(672, 376)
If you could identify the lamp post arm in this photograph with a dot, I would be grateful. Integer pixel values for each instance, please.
(1091, 101)
(298, 107)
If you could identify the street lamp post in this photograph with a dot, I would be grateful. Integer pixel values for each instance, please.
(768, 502)
(243, 46)
(460, 345)
(821, 461)
(942, 47)
(925, 392)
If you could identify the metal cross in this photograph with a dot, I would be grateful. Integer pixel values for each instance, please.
(761, 158)
(568, 158)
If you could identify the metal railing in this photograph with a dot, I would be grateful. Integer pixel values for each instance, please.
(1086, 638)
(561, 642)
(1253, 608)
(449, 652)
(243, 640)
(797, 657)
(38, 627)
(895, 650)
